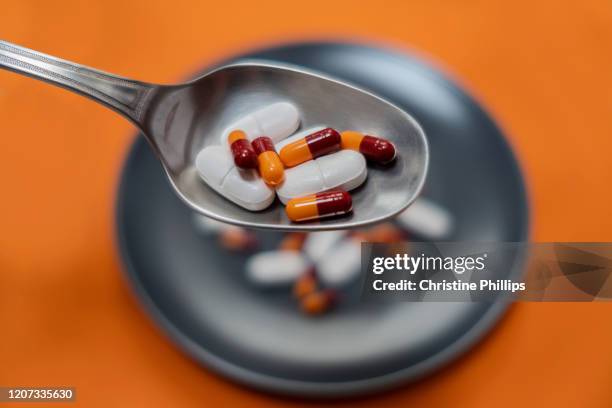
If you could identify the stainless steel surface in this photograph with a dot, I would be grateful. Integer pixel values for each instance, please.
(197, 293)
(179, 120)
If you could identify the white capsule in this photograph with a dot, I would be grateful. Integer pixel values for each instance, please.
(273, 268)
(297, 136)
(345, 169)
(427, 219)
(277, 121)
(317, 244)
(215, 166)
(340, 265)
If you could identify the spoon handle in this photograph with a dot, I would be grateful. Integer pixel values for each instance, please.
(128, 97)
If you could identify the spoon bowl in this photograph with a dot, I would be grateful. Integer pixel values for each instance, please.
(180, 120)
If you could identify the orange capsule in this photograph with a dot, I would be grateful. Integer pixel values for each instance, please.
(270, 166)
(294, 241)
(319, 302)
(244, 155)
(310, 147)
(386, 233)
(373, 148)
(238, 239)
(359, 235)
(305, 284)
(389, 234)
(320, 205)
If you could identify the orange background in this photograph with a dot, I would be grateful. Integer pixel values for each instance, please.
(67, 317)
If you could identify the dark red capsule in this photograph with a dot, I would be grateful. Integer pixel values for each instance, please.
(377, 149)
(244, 155)
(373, 148)
(263, 144)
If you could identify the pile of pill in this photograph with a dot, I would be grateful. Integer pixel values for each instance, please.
(319, 270)
(260, 156)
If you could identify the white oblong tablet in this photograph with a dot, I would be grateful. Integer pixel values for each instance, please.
(243, 187)
(345, 169)
(247, 189)
(341, 264)
(248, 124)
(277, 121)
(274, 268)
(427, 219)
(301, 180)
(317, 244)
(297, 136)
(213, 163)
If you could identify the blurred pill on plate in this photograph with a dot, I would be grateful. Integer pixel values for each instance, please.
(386, 233)
(359, 235)
(340, 265)
(207, 225)
(427, 219)
(276, 268)
(318, 243)
(238, 239)
(305, 284)
(319, 302)
(292, 241)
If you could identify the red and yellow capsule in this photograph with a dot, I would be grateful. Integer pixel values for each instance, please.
(373, 148)
(310, 147)
(244, 155)
(320, 205)
(271, 168)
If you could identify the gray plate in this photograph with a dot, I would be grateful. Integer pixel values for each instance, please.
(196, 292)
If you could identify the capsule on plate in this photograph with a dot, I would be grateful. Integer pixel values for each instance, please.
(374, 148)
(277, 121)
(319, 302)
(305, 284)
(426, 219)
(310, 147)
(320, 205)
(244, 155)
(271, 168)
(276, 268)
(293, 241)
(215, 166)
(343, 170)
(386, 233)
(238, 239)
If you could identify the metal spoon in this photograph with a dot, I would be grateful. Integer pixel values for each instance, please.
(179, 120)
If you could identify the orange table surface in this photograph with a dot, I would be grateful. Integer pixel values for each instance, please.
(67, 316)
